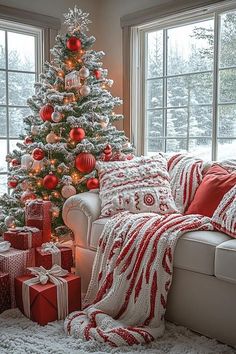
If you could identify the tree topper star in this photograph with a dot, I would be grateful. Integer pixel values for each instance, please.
(77, 20)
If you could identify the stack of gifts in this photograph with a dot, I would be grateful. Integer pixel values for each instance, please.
(52, 292)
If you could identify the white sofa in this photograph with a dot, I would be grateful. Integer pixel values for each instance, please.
(203, 292)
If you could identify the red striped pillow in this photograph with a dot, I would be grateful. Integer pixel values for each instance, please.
(139, 185)
(224, 218)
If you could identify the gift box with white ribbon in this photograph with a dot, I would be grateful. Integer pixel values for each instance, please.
(50, 253)
(24, 238)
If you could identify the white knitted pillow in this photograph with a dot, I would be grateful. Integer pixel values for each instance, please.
(139, 185)
(224, 217)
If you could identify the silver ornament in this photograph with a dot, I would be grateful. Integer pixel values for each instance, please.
(56, 116)
(67, 191)
(84, 72)
(85, 90)
(9, 221)
(51, 138)
(35, 129)
(26, 161)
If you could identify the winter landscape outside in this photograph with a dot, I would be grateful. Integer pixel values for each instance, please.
(179, 92)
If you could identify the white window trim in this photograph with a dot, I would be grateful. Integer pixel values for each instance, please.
(137, 67)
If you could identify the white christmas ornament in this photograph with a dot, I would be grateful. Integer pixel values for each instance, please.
(56, 116)
(35, 129)
(85, 90)
(84, 72)
(67, 191)
(27, 161)
(9, 221)
(51, 138)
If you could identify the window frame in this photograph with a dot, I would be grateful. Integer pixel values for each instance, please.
(137, 69)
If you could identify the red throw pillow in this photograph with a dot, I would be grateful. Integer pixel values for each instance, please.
(215, 184)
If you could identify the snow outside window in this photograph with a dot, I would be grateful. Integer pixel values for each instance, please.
(20, 58)
(188, 86)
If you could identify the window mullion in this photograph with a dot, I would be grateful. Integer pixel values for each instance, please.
(215, 88)
(7, 95)
(164, 98)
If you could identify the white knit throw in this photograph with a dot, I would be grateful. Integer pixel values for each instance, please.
(132, 273)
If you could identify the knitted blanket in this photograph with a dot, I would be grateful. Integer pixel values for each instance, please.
(132, 274)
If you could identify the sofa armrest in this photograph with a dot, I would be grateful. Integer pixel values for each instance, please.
(79, 212)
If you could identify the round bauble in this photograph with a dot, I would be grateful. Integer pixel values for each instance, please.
(67, 191)
(97, 74)
(50, 181)
(46, 112)
(84, 72)
(12, 183)
(35, 129)
(85, 90)
(73, 43)
(15, 162)
(85, 162)
(26, 161)
(108, 149)
(28, 140)
(92, 183)
(56, 116)
(38, 154)
(51, 138)
(26, 196)
(77, 134)
(9, 221)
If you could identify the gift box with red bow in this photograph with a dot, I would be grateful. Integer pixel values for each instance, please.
(49, 254)
(15, 263)
(48, 295)
(38, 214)
(5, 299)
(23, 238)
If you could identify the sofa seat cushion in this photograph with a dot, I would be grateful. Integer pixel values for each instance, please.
(225, 261)
(195, 250)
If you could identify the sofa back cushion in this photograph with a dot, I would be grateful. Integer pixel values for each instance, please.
(139, 185)
(215, 184)
(224, 218)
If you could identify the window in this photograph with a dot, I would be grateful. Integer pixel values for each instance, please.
(20, 61)
(185, 94)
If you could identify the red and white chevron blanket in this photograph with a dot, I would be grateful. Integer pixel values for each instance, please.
(132, 274)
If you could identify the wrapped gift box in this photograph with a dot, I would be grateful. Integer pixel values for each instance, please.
(15, 262)
(23, 238)
(5, 299)
(38, 214)
(47, 259)
(43, 298)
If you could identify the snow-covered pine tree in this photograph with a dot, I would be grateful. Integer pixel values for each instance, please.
(69, 129)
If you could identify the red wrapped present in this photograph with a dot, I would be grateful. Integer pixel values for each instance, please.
(38, 214)
(49, 295)
(49, 254)
(15, 262)
(5, 299)
(24, 238)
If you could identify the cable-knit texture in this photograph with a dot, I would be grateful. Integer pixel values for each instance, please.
(127, 296)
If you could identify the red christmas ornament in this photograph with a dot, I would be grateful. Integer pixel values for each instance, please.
(97, 74)
(108, 149)
(85, 162)
(50, 181)
(28, 140)
(38, 154)
(73, 43)
(92, 183)
(15, 162)
(77, 134)
(46, 112)
(12, 183)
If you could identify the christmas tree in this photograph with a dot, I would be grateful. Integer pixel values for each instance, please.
(69, 129)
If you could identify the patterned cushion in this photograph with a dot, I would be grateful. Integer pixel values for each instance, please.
(224, 218)
(139, 185)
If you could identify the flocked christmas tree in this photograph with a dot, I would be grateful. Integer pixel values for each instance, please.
(69, 129)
